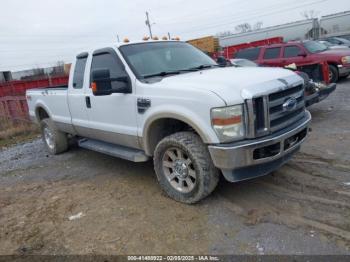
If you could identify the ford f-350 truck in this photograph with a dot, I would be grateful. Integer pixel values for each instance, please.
(169, 101)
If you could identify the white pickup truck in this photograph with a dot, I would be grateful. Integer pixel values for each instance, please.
(168, 101)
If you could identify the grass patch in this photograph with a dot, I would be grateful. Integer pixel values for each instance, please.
(14, 132)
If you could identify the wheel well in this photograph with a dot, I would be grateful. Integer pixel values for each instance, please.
(41, 114)
(334, 65)
(161, 128)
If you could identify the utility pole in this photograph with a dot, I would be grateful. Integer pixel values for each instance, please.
(148, 23)
(118, 38)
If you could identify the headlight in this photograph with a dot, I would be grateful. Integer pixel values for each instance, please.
(345, 60)
(228, 122)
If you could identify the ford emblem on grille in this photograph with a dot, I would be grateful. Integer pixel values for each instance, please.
(290, 104)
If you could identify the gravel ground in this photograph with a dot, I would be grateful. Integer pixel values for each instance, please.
(83, 202)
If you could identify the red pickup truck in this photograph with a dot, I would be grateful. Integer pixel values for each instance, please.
(302, 53)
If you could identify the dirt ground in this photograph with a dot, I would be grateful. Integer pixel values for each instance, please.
(118, 208)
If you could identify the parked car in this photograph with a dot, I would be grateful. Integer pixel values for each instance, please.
(240, 62)
(332, 46)
(315, 89)
(301, 53)
(170, 102)
(337, 41)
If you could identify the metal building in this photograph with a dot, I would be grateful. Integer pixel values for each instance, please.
(331, 25)
(291, 31)
(336, 24)
(5, 76)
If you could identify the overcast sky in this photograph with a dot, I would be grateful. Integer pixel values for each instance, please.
(41, 32)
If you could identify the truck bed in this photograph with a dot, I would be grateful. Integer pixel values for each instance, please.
(53, 100)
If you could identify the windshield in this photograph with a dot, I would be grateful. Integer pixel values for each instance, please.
(315, 47)
(162, 58)
(326, 43)
(343, 40)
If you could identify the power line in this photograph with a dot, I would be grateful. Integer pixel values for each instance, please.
(250, 17)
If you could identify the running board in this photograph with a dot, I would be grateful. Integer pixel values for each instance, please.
(114, 150)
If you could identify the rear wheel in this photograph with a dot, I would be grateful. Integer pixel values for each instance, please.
(184, 168)
(55, 141)
(333, 74)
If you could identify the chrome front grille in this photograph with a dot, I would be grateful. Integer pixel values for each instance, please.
(270, 113)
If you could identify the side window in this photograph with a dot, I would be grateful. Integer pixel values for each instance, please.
(291, 51)
(271, 53)
(78, 78)
(250, 54)
(111, 62)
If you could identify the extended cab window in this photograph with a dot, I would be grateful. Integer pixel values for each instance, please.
(78, 78)
(292, 51)
(108, 60)
(250, 53)
(271, 53)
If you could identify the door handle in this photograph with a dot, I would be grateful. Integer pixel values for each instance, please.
(88, 102)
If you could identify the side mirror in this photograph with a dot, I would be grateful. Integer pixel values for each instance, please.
(102, 84)
(221, 61)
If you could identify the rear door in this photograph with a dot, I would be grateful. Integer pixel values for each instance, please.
(76, 96)
(251, 54)
(271, 56)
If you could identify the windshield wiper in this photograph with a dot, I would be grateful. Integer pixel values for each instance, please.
(175, 72)
(164, 73)
(202, 67)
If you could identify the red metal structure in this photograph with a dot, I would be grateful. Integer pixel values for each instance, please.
(229, 51)
(13, 107)
(18, 88)
(13, 104)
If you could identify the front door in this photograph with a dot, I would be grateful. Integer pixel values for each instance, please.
(112, 118)
(294, 54)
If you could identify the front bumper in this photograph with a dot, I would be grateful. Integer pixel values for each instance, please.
(253, 158)
(344, 70)
(320, 95)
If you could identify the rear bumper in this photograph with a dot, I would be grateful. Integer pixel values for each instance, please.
(320, 95)
(254, 158)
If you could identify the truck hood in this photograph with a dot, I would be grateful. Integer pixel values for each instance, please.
(337, 52)
(233, 85)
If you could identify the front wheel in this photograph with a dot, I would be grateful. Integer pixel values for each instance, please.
(55, 141)
(184, 168)
(333, 74)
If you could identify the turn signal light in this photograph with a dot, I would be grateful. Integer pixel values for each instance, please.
(227, 121)
(93, 87)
